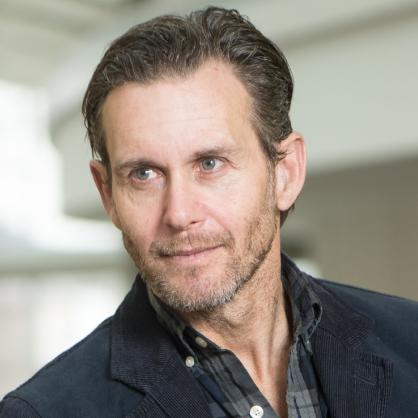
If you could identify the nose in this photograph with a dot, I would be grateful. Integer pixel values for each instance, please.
(182, 206)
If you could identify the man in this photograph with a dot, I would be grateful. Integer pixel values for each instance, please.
(198, 168)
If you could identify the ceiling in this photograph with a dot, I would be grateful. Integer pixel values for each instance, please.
(34, 35)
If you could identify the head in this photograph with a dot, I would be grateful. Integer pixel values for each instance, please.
(174, 47)
(199, 163)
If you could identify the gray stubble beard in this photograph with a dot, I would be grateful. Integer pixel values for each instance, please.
(260, 236)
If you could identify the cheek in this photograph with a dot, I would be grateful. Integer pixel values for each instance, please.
(233, 206)
(140, 217)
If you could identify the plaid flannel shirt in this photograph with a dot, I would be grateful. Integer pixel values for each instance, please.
(228, 388)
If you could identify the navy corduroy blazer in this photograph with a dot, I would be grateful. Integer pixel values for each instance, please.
(365, 355)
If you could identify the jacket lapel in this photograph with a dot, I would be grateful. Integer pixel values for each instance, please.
(355, 383)
(177, 394)
(144, 357)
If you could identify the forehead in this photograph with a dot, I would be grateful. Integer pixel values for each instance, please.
(184, 114)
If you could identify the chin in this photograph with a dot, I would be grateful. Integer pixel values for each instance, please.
(195, 292)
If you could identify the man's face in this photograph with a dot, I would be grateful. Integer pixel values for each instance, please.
(191, 188)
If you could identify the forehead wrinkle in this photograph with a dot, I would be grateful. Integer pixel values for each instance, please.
(161, 123)
(246, 111)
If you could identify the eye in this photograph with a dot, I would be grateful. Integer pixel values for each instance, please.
(145, 174)
(211, 163)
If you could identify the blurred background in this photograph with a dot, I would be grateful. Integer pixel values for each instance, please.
(63, 268)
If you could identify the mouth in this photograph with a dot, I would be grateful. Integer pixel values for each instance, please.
(190, 255)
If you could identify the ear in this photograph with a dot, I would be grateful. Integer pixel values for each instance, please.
(290, 171)
(99, 173)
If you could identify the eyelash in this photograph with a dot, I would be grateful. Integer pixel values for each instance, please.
(219, 160)
(136, 170)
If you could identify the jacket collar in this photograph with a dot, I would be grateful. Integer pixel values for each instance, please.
(342, 320)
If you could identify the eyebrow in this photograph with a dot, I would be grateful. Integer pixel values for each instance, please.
(218, 150)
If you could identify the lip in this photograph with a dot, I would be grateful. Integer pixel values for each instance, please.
(191, 256)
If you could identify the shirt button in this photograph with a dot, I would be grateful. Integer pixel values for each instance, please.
(256, 411)
(190, 361)
(201, 342)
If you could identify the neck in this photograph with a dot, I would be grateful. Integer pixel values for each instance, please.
(258, 309)
(256, 326)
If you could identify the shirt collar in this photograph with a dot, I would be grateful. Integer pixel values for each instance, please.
(305, 304)
(169, 320)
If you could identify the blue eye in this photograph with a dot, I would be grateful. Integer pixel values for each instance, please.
(145, 174)
(210, 163)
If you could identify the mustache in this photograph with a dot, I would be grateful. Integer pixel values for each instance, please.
(196, 241)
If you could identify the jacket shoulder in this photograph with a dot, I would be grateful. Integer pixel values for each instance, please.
(78, 383)
(374, 304)
(394, 333)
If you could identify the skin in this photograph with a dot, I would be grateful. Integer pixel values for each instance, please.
(201, 221)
